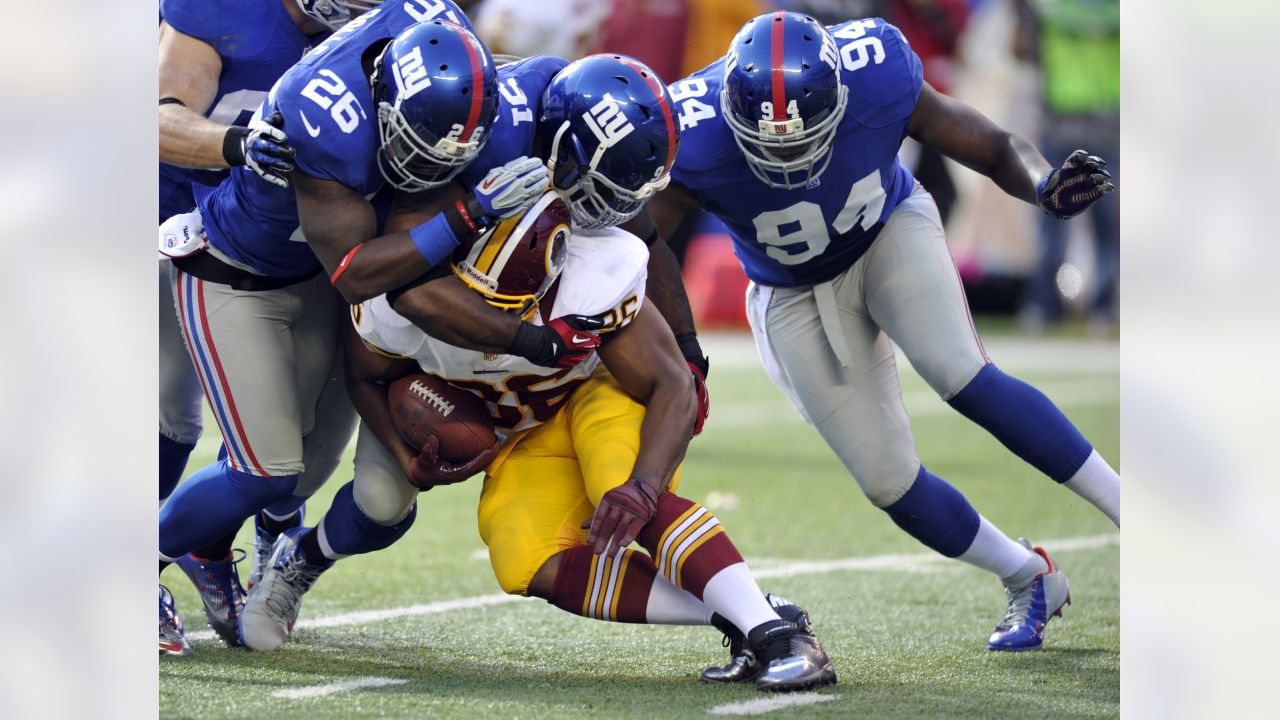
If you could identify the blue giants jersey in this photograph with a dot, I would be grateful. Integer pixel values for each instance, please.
(786, 238)
(257, 42)
(520, 88)
(327, 105)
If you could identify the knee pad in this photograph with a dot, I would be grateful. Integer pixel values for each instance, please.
(383, 497)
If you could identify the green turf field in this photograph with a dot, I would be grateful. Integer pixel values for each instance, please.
(377, 637)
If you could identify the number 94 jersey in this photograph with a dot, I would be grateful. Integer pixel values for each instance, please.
(787, 238)
(604, 275)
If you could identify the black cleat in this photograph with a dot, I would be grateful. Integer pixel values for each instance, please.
(743, 666)
(792, 658)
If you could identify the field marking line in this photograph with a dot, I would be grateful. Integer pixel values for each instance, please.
(765, 705)
(896, 562)
(314, 691)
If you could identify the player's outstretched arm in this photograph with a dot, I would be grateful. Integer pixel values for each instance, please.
(189, 70)
(967, 136)
(367, 375)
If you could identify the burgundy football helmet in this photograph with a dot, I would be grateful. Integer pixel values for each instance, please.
(514, 263)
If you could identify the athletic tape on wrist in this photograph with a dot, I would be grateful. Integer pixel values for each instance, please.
(434, 239)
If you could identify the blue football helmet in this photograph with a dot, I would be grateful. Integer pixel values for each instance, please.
(437, 94)
(613, 137)
(782, 97)
(333, 14)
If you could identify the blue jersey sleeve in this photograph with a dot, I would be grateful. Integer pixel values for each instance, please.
(520, 87)
(197, 18)
(883, 73)
(708, 153)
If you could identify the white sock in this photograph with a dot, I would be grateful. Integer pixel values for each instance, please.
(669, 605)
(1096, 482)
(994, 552)
(733, 593)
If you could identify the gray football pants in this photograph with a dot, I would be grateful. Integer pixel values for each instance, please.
(381, 489)
(828, 347)
(181, 399)
(268, 364)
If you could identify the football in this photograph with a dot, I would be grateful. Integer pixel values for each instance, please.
(423, 405)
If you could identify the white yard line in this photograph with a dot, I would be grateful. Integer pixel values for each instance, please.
(314, 691)
(892, 562)
(765, 705)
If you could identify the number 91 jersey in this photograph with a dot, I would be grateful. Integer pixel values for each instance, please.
(604, 274)
(788, 238)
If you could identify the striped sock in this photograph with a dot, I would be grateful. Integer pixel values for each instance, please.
(624, 587)
(694, 552)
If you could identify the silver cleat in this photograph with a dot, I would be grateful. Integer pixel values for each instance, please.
(792, 659)
(743, 666)
(268, 617)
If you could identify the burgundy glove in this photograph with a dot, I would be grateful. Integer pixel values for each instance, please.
(621, 514)
(427, 470)
(704, 397)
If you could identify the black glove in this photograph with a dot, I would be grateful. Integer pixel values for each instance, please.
(1072, 188)
(561, 343)
(263, 149)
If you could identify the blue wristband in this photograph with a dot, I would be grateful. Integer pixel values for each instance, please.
(434, 239)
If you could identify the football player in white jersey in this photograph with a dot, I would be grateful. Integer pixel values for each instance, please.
(597, 446)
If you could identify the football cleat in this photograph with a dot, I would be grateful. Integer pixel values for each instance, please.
(1030, 608)
(268, 616)
(263, 542)
(792, 659)
(173, 639)
(219, 586)
(743, 666)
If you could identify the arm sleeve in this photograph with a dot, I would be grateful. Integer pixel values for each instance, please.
(197, 18)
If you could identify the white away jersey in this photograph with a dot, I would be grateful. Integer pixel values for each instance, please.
(604, 274)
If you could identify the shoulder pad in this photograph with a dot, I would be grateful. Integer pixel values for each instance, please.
(323, 149)
(880, 93)
(605, 270)
(706, 145)
(385, 331)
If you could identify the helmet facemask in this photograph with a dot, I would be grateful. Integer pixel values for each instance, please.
(408, 161)
(786, 155)
(594, 201)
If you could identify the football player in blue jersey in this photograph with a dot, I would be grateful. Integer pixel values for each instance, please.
(404, 90)
(606, 129)
(217, 61)
(791, 140)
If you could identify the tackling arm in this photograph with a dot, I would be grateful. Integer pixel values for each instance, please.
(189, 70)
(967, 136)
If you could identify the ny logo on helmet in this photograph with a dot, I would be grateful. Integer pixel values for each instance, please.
(608, 123)
(411, 74)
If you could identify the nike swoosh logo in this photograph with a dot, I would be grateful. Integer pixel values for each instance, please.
(580, 339)
(311, 130)
(171, 646)
(488, 184)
